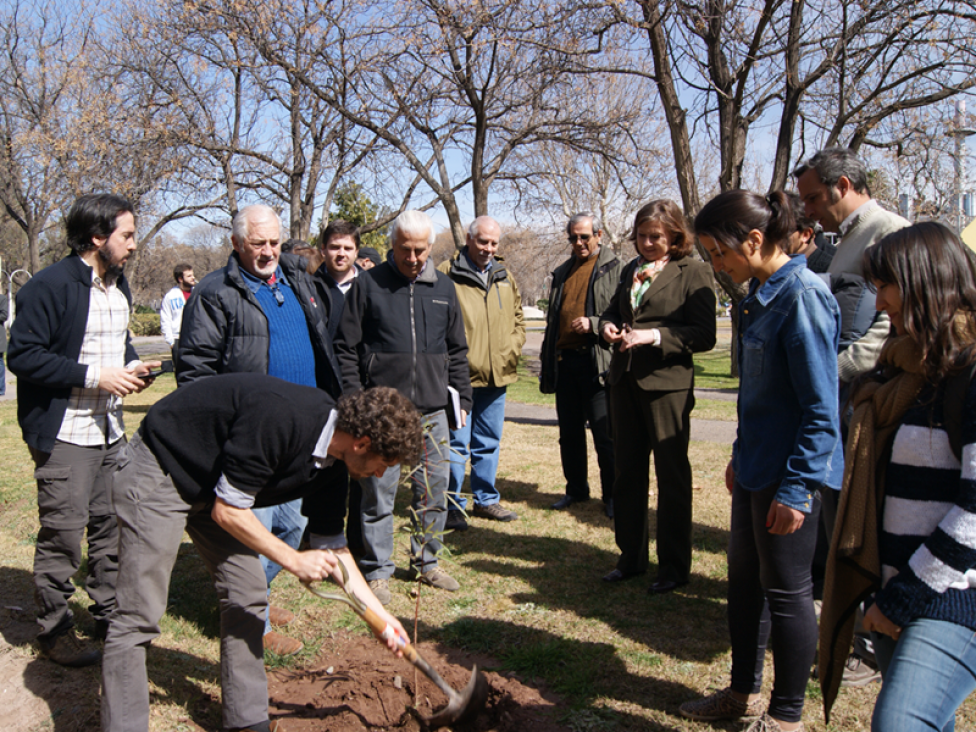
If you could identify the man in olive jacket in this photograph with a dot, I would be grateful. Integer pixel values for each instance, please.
(575, 359)
(495, 329)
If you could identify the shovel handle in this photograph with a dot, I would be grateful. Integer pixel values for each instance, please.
(384, 630)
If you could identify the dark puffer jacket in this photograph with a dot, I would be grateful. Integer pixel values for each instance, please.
(405, 335)
(225, 330)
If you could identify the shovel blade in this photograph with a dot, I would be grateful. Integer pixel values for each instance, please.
(464, 705)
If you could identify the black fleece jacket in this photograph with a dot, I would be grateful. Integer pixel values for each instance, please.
(405, 335)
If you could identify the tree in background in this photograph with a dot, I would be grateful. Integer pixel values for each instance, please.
(351, 204)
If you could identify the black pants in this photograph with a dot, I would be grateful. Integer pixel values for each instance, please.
(771, 600)
(658, 422)
(581, 398)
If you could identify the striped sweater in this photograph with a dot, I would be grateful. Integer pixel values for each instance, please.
(928, 533)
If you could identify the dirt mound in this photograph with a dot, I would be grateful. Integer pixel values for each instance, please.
(357, 685)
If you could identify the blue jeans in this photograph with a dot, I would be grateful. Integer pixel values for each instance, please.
(483, 432)
(429, 484)
(928, 672)
(3, 373)
(286, 522)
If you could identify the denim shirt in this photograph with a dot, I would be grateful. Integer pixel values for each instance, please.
(789, 422)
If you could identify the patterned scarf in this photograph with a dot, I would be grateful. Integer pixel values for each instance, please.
(644, 275)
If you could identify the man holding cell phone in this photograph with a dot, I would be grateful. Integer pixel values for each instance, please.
(70, 350)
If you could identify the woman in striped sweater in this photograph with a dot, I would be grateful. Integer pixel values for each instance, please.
(924, 616)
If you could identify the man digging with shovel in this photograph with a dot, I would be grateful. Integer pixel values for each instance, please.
(203, 457)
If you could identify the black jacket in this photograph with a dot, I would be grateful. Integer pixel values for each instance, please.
(405, 335)
(225, 330)
(45, 342)
(208, 428)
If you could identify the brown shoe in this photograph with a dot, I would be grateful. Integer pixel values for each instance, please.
(440, 579)
(279, 617)
(722, 705)
(67, 650)
(767, 724)
(281, 644)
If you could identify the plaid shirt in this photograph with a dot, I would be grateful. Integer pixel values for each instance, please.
(93, 416)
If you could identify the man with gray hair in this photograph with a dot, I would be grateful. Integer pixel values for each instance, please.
(402, 327)
(262, 313)
(574, 357)
(493, 323)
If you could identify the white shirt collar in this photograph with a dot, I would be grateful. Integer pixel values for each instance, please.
(321, 450)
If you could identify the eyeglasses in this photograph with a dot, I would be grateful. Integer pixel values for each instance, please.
(582, 237)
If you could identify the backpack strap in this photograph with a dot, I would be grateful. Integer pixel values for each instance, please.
(957, 387)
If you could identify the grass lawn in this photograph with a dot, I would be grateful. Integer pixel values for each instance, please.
(531, 596)
(712, 371)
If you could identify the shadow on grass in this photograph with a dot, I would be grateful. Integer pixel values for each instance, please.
(689, 625)
(574, 669)
(72, 695)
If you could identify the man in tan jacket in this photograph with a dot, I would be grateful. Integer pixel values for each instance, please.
(493, 323)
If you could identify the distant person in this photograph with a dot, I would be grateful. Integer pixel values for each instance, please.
(402, 327)
(787, 446)
(203, 458)
(368, 258)
(291, 245)
(495, 329)
(262, 313)
(662, 313)
(70, 350)
(808, 238)
(575, 359)
(171, 311)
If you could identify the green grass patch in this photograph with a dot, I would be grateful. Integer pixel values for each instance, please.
(713, 370)
(526, 389)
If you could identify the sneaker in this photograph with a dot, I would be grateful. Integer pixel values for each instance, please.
(440, 579)
(722, 705)
(858, 673)
(495, 512)
(281, 644)
(381, 588)
(280, 617)
(767, 724)
(456, 521)
(67, 649)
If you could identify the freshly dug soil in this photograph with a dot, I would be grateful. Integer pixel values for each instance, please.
(358, 685)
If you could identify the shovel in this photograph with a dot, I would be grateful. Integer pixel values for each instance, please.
(460, 706)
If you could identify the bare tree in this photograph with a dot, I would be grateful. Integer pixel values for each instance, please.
(438, 83)
(43, 96)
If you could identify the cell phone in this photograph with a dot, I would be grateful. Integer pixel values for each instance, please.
(165, 368)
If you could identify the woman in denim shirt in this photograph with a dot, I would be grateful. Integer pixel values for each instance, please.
(787, 447)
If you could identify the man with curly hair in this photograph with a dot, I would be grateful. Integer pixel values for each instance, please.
(204, 456)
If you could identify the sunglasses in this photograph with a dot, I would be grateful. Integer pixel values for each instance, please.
(582, 237)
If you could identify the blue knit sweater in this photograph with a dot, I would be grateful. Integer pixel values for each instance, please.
(928, 533)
